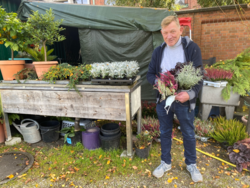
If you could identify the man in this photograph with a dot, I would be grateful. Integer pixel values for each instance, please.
(176, 49)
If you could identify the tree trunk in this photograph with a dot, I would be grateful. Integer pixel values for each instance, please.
(45, 51)
(12, 55)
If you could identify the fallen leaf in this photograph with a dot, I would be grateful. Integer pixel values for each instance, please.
(236, 179)
(108, 162)
(10, 176)
(28, 180)
(169, 180)
(71, 151)
(175, 186)
(192, 183)
(134, 167)
(100, 156)
(107, 177)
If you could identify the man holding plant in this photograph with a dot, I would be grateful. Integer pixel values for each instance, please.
(165, 57)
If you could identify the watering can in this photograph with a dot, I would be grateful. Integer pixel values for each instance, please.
(29, 130)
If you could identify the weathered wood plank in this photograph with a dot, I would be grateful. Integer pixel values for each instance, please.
(94, 105)
(135, 100)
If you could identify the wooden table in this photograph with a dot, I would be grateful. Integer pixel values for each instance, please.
(96, 102)
(247, 99)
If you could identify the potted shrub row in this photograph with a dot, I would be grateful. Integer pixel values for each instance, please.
(40, 29)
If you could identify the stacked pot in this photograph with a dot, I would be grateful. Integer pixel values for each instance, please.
(110, 136)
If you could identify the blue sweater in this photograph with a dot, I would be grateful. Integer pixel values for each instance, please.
(192, 53)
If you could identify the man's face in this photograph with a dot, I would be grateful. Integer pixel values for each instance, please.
(171, 33)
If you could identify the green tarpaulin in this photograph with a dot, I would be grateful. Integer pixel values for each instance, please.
(110, 33)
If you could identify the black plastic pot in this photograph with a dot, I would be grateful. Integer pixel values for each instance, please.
(110, 129)
(110, 142)
(50, 130)
(73, 140)
(142, 153)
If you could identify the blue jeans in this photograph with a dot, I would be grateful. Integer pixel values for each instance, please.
(186, 119)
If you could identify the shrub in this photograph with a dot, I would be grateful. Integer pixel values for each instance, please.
(148, 109)
(214, 74)
(142, 140)
(229, 131)
(203, 128)
(151, 125)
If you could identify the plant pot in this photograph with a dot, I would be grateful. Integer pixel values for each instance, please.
(73, 140)
(9, 68)
(244, 120)
(212, 95)
(43, 67)
(142, 153)
(2, 137)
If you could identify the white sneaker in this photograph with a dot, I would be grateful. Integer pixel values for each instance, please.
(195, 173)
(159, 171)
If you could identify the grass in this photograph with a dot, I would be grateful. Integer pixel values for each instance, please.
(67, 166)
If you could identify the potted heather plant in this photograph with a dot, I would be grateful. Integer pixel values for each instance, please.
(13, 34)
(142, 144)
(45, 30)
(166, 84)
(217, 77)
(203, 129)
(151, 125)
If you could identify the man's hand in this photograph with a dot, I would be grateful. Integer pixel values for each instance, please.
(182, 97)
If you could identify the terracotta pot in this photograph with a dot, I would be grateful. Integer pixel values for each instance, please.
(11, 67)
(2, 137)
(244, 120)
(43, 67)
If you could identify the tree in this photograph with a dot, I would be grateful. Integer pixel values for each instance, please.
(44, 29)
(213, 3)
(13, 32)
(170, 4)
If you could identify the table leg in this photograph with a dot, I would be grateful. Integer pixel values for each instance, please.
(128, 125)
(7, 126)
(206, 108)
(229, 112)
(139, 121)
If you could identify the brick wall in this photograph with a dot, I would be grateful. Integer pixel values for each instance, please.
(98, 2)
(220, 35)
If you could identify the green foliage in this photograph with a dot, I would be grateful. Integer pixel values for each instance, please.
(61, 118)
(11, 117)
(13, 32)
(25, 74)
(143, 140)
(170, 4)
(240, 66)
(44, 29)
(69, 132)
(188, 77)
(229, 131)
(64, 71)
(37, 55)
(212, 3)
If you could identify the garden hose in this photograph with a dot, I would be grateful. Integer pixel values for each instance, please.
(208, 154)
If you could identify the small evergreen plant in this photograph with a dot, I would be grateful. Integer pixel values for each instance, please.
(229, 131)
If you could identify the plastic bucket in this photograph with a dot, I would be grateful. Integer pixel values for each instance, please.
(110, 142)
(110, 129)
(50, 130)
(90, 138)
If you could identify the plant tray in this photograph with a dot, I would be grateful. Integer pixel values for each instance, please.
(114, 81)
